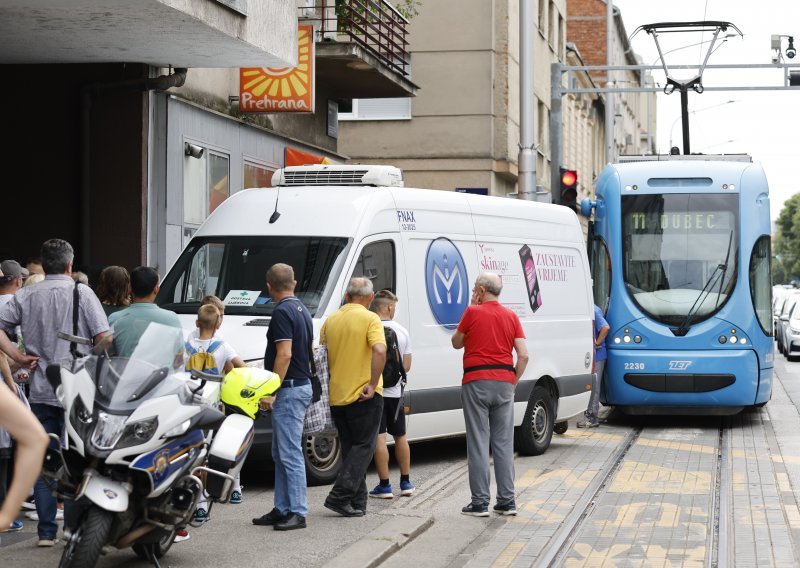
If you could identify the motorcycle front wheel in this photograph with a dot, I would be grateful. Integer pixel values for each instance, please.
(159, 548)
(88, 539)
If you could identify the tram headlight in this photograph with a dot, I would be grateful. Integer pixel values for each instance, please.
(627, 339)
(742, 340)
(637, 338)
(617, 340)
(723, 340)
(734, 339)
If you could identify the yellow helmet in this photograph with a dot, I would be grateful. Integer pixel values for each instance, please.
(243, 387)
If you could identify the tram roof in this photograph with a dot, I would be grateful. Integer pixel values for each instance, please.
(681, 158)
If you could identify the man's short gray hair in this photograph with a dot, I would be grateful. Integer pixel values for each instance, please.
(359, 287)
(281, 277)
(56, 255)
(491, 281)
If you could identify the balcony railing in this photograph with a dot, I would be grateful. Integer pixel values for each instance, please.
(375, 25)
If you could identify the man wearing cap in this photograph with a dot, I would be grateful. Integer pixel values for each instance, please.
(11, 281)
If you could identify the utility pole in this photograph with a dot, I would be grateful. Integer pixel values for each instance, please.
(526, 165)
(609, 83)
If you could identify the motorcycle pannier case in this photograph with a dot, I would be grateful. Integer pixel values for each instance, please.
(228, 451)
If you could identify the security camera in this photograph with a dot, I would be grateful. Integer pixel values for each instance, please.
(193, 150)
(790, 50)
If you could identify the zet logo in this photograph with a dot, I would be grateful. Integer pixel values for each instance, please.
(446, 282)
(679, 365)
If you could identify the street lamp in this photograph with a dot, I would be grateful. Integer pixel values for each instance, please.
(672, 129)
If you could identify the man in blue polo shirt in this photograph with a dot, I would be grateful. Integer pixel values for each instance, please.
(289, 340)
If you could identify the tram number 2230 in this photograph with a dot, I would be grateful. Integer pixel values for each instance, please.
(634, 366)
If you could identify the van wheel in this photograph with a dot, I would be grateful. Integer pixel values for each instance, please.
(323, 455)
(561, 427)
(533, 436)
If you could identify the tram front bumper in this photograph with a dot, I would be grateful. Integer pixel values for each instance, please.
(681, 378)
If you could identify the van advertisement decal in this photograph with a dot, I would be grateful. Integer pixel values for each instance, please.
(406, 220)
(531, 278)
(446, 282)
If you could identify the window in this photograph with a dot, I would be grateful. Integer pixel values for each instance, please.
(206, 184)
(760, 279)
(601, 273)
(542, 23)
(234, 269)
(257, 175)
(375, 109)
(376, 262)
(672, 279)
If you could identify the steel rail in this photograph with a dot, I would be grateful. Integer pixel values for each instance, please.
(563, 539)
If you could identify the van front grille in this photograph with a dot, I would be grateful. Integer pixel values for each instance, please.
(324, 177)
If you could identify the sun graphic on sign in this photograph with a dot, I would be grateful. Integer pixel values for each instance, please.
(284, 82)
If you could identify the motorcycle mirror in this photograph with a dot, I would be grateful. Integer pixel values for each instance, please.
(74, 338)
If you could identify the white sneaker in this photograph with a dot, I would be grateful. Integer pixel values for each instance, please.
(34, 516)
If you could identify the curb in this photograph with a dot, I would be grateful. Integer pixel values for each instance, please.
(381, 543)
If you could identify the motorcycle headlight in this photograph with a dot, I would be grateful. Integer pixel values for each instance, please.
(107, 431)
(80, 417)
(138, 432)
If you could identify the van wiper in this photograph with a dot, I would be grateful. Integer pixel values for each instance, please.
(681, 330)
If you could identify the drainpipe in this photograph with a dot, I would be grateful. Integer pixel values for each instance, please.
(526, 165)
(161, 83)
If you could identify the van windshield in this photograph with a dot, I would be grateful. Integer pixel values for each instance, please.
(234, 269)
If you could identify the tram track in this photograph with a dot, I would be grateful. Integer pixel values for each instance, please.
(562, 541)
(718, 552)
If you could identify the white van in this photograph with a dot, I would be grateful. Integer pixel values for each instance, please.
(333, 222)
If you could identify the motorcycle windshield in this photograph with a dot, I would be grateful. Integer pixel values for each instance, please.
(124, 382)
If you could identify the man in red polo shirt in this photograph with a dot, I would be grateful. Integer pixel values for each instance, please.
(489, 333)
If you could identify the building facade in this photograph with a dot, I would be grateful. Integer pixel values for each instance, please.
(128, 123)
(462, 131)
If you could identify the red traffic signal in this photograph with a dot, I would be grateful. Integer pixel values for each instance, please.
(569, 178)
(568, 196)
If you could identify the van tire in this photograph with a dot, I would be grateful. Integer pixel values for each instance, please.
(534, 434)
(561, 427)
(323, 457)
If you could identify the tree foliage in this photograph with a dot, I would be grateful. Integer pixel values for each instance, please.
(786, 248)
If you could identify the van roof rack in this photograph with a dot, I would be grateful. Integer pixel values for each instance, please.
(352, 175)
(679, 157)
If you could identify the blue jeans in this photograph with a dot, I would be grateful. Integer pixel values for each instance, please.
(288, 413)
(593, 410)
(52, 419)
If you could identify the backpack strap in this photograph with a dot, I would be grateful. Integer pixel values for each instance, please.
(213, 346)
(189, 348)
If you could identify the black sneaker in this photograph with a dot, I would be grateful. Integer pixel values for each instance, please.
(509, 509)
(474, 510)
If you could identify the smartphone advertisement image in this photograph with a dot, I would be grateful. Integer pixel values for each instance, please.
(529, 269)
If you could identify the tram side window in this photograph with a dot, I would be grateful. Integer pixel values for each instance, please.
(601, 274)
(376, 262)
(761, 283)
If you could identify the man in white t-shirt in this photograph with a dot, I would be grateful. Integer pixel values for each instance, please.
(393, 420)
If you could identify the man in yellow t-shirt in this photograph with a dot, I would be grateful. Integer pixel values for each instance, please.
(356, 356)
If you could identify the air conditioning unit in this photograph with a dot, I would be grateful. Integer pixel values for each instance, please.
(360, 175)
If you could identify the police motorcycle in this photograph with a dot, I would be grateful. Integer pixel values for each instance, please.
(142, 439)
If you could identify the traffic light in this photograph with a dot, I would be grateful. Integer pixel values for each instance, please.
(569, 188)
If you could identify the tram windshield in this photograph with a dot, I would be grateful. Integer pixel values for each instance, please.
(679, 254)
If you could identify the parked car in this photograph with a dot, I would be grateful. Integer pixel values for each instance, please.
(783, 322)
